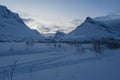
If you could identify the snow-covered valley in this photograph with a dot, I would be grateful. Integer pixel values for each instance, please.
(58, 61)
(89, 52)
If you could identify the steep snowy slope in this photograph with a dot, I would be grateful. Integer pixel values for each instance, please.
(13, 28)
(91, 30)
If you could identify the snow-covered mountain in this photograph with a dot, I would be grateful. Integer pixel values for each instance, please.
(93, 30)
(59, 35)
(112, 21)
(13, 28)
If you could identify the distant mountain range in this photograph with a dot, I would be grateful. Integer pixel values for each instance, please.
(12, 28)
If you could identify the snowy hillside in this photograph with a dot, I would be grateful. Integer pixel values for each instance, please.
(92, 30)
(13, 28)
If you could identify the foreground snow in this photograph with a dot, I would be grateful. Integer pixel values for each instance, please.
(49, 61)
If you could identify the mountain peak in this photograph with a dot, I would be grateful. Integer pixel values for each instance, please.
(4, 10)
(90, 20)
(2, 6)
(7, 14)
(59, 34)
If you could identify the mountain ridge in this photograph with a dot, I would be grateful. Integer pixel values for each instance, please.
(12, 28)
(91, 30)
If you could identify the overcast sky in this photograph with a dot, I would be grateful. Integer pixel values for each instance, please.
(55, 11)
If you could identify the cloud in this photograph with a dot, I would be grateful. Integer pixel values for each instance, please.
(77, 22)
(27, 19)
(33, 24)
(44, 28)
(108, 17)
